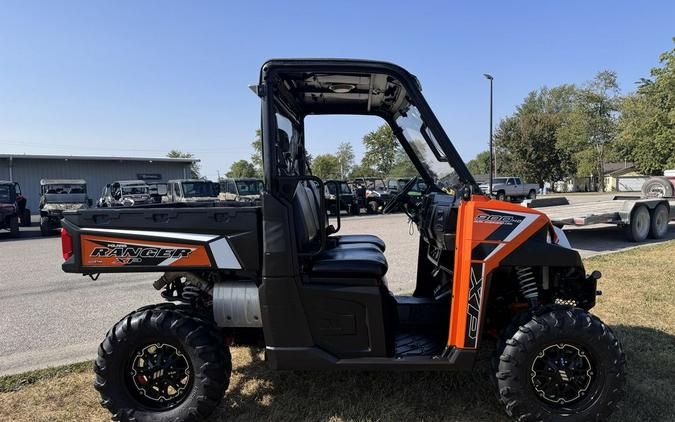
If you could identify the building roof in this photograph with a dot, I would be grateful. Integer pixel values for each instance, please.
(98, 158)
(617, 167)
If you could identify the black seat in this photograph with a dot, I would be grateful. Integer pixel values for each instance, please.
(346, 239)
(338, 260)
(355, 260)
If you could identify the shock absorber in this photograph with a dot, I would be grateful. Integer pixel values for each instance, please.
(528, 285)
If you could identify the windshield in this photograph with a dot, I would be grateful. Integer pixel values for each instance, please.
(249, 187)
(344, 188)
(4, 194)
(134, 190)
(426, 147)
(199, 189)
(63, 189)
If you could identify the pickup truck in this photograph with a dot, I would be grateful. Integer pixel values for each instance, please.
(511, 188)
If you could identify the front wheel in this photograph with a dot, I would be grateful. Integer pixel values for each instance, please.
(162, 364)
(563, 364)
(501, 195)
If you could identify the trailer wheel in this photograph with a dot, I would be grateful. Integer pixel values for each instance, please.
(658, 226)
(160, 363)
(562, 364)
(638, 229)
(14, 226)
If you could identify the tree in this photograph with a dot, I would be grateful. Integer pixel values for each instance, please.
(194, 168)
(325, 166)
(647, 123)
(361, 170)
(256, 157)
(402, 167)
(242, 168)
(345, 158)
(381, 148)
(591, 125)
(480, 164)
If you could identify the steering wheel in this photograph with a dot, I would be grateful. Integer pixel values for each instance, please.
(400, 197)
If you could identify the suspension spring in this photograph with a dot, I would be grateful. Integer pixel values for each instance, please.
(528, 284)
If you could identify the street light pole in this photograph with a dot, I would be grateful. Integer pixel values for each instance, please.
(491, 170)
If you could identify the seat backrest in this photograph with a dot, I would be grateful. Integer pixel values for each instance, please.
(306, 219)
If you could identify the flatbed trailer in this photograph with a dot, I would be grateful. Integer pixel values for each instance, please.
(640, 217)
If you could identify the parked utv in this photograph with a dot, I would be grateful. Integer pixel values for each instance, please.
(348, 201)
(13, 211)
(376, 196)
(125, 193)
(244, 190)
(58, 195)
(488, 272)
(191, 190)
(416, 193)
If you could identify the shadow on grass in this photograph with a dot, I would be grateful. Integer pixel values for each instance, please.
(258, 393)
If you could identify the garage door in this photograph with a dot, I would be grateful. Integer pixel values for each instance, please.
(631, 184)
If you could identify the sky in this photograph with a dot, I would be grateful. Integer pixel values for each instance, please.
(139, 78)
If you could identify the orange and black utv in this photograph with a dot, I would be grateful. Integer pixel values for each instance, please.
(486, 270)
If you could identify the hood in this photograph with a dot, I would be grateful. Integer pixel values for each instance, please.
(64, 198)
(62, 206)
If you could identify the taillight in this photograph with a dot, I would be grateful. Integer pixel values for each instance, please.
(66, 244)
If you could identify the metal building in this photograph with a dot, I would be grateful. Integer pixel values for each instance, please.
(97, 171)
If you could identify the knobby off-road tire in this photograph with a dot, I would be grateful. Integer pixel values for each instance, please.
(14, 226)
(586, 371)
(189, 353)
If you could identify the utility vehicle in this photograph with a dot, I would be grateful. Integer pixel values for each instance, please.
(375, 196)
(416, 193)
(487, 271)
(191, 190)
(13, 211)
(125, 193)
(241, 189)
(348, 201)
(58, 195)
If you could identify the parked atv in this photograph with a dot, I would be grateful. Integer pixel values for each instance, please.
(13, 211)
(488, 272)
(57, 196)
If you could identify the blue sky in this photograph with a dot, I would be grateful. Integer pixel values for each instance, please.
(139, 78)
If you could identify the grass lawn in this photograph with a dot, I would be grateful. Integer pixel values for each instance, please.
(638, 303)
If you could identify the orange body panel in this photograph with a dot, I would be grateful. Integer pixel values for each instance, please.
(106, 251)
(487, 231)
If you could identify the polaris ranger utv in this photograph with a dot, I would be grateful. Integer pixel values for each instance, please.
(487, 270)
(57, 196)
(13, 211)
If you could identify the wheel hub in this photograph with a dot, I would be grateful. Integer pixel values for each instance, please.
(160, 375)
(561, 374)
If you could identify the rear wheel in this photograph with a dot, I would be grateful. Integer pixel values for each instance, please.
(161, 363)
(532, 194)
(25, 218)
(564, 363)
(658, 226)
(638, 229)
(44, 226)
(14, 226)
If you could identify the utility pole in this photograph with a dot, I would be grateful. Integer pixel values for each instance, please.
(493, 168)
